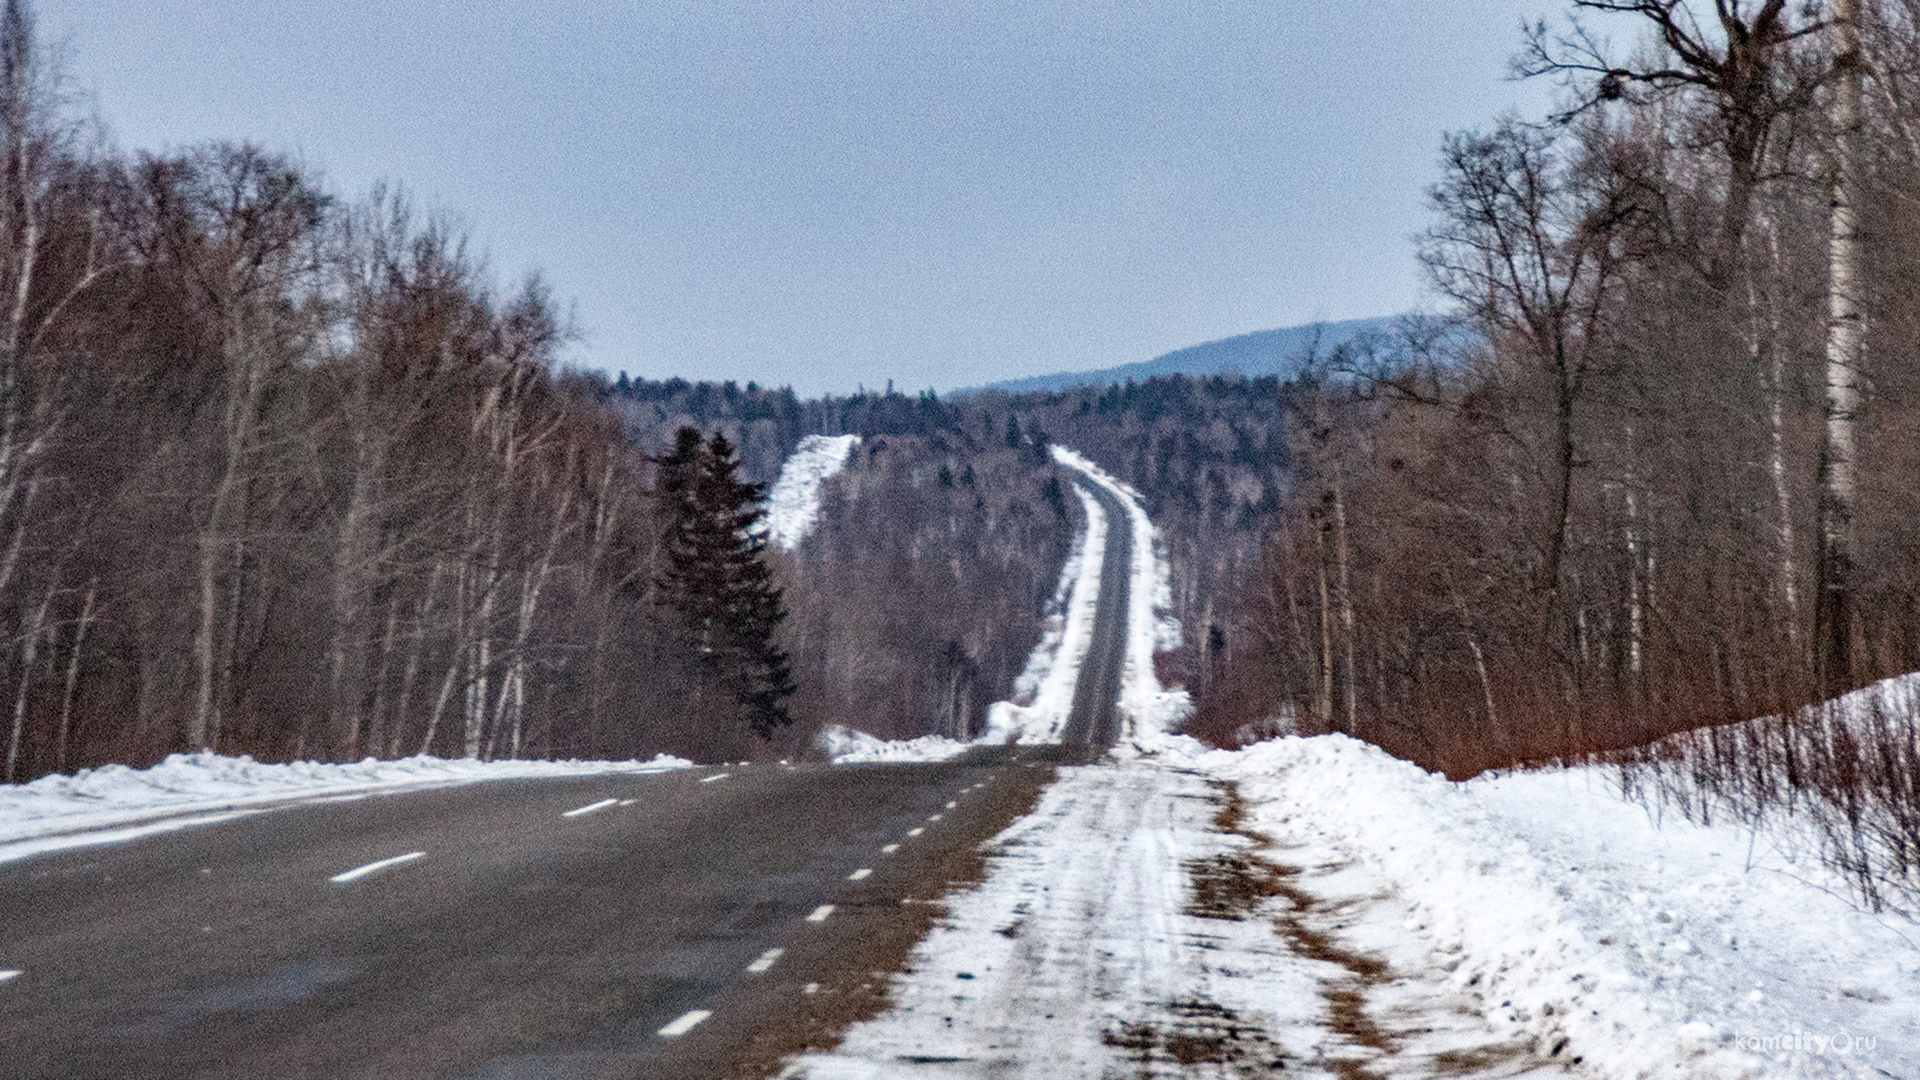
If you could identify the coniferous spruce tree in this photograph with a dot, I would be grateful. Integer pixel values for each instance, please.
(716, 576)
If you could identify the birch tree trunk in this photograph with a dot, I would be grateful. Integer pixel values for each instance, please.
(1835, 617)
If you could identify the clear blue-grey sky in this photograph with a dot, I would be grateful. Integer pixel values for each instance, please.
(837, 192)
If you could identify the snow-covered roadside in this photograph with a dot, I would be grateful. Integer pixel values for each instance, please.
(1043, 694)
(1122, 931)
(1575, 919)
(845, 746)
(1149, 710)
(115, 803)
(793, 503)
(1077, 955)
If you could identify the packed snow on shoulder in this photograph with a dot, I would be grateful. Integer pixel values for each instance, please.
(1043, 694)
(1080, 957)
(793, 504)
(1128, 927)
(845, 746)
(114, 802)
(1312, 906)
(1148, 710)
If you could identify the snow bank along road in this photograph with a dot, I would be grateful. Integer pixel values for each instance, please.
(684, 924)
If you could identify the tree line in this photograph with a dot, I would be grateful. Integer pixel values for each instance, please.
(1661, 476)
(290, 475)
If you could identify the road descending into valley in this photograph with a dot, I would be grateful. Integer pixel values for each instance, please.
(696, 924)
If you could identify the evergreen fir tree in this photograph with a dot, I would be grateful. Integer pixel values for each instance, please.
(716, 576)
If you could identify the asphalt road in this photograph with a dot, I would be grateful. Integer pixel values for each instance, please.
(696, 924)
(1094, 721)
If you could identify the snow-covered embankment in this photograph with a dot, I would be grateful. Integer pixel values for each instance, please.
(793, 503)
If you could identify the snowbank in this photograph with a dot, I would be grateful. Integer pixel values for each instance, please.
(844, 746)
(1043, 694)
(1149, 711)
(1640, 946)
(793, 504)
(99, 805)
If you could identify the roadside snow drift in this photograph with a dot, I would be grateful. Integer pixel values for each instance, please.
(114, 803)
(793, 503)
(843, 745)
(1639, 946)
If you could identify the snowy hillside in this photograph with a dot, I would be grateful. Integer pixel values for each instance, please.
(793, 503)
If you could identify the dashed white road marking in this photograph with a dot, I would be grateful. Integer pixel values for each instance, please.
(820, 913)
(685, 1024)
(765, 963)
(359, 872)
(811, 988)
(628, 802)
(953, 804)
(579, 811)
(860, 875)
(890, 849)
(715, 776)
(10, 973)
(934, 817)
(915, 831)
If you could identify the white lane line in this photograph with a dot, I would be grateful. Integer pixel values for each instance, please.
(765, 963)
(628, 802)
(934, 817)
(10, 973)
(579, 811)
(890, 849)
(359, 872)
(685, 1024)
(811, 988)
(915, 831)
(951, 805)
(860, 875)
(820, 913)
(715, 776)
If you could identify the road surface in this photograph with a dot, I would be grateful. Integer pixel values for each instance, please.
(695, 924)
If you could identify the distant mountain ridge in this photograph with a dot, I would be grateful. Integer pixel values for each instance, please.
(1263, 352)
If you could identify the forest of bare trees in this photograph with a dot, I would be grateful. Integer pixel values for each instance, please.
(288, 475)
(1662, 476)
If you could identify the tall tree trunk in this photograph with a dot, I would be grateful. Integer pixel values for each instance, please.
(347, 651)
(1348, 697)
(217, 535)
(73, 679)
(1835, 616)
(29, 651)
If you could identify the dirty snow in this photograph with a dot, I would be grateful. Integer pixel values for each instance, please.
(115, 803)
(845, 746)
(793, 503)
(1530, 924)
(1077, 941)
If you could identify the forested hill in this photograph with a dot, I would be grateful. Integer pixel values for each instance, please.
(939, 545)
(1284, 353)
